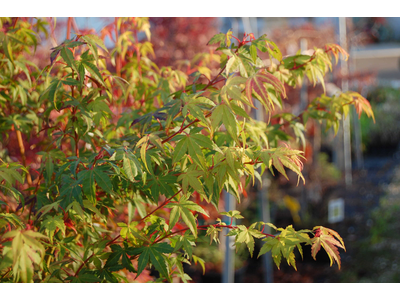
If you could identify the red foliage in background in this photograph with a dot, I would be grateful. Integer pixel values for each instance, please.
(177, 39)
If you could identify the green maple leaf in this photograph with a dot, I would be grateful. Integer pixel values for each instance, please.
(96, 175)
(232, 214)
(192, 145)
(88, 184)
(195, 105)
(154, 253)
(191, 178)
(118, 253)
(266, 45)
(246, 235)
(224, 113)
(162, 184)
(183, 209)
(185, 241)
(330, 240)
(218, 38)
(284, 244)
(283, 156)
(52, 223)
(102, 179)
(71, 190)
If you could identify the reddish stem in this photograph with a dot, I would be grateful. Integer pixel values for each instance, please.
(69, 28)
(161, 206)
(204, 227)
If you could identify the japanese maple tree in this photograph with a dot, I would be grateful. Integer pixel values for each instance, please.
(128, 157)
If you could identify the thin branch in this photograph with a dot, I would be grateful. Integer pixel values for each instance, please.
(161, 206)
(203, 227)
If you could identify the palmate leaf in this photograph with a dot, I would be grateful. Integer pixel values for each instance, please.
(232, 214)
(191, 178)
(285, 244)
(154, 253)
(90, 177)
(239, 62)
(284, 156)
(192, 145)
(266, 45)
(92, 41)
(102, 179)
(223, 38)
(330, 240)
(96, 40)
(183, 209)
(195, 106)
(256, 83)
(9, 175)
(186, 242)
(71, 190)
(224, 113)
(51, 223)
(66, 44)
(26, 251)
(162, 184)
(118, 253)
(218, 38)
(88, 184)
(247, 235)
(336, 49)
(361, 104)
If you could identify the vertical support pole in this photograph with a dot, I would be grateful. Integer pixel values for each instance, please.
(357, 140)
(262, 194)
(228, 272)
(303, 91)
(346, 121)
(263, 204)
(302, 106)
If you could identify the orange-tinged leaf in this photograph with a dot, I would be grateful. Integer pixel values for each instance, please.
(325, 237)
(336, 49)
(361, 104)
(256, 83)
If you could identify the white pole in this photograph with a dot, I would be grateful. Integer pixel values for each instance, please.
(346, 121)
(228, 272)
